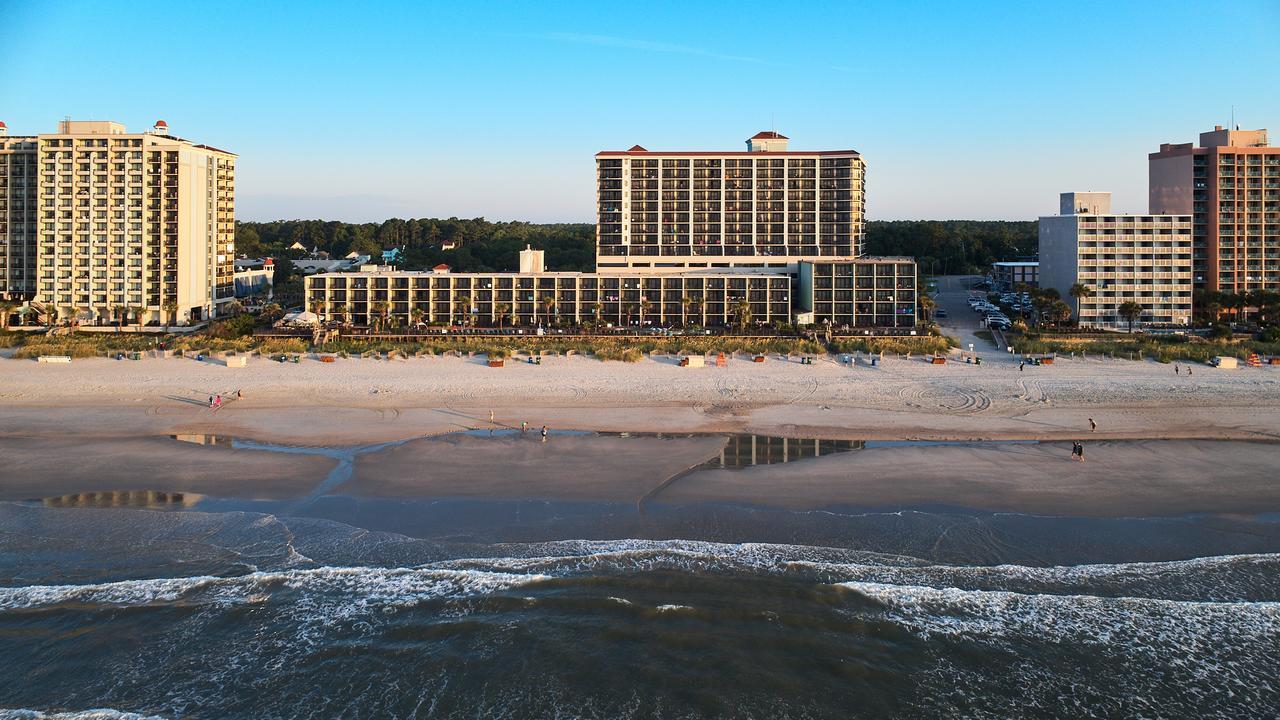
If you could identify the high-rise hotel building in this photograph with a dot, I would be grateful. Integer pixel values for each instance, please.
(683, 238)
(767, 207)
(1230, 185)
(105, 225)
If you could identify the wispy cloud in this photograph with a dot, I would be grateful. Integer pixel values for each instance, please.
(646, 46)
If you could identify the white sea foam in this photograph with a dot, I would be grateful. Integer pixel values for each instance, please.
(1131, 621)
(1230, 577)
(357, 587)
(95, 714)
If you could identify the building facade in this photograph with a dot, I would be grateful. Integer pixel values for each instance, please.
(766, 207)
(1230, 185)
(858, 293)
(849, 293)
(103, 225)
(407, 298)
(1146, 259)
(1010, 274)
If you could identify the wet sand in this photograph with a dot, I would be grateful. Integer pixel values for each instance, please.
(566, 467)
(1120, 478)
(40, 467)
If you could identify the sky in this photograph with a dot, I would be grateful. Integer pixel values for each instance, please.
(364, 111)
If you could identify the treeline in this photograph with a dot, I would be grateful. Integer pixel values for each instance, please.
(481, 246)
(953, 247)
(940, 246)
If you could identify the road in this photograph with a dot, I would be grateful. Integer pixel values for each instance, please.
(961, 321)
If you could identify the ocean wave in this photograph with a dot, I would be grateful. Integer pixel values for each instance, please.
(95, 714)
(1128, 621)
(1227, 578)
(1234, 578)
(363, 586)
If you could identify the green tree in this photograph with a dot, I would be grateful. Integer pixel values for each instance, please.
(1080, 291)
(1130, 311)
(7, 309)
(549, 303)
(742, 315)
(1058, 312)
(503, 310)
(170, 308)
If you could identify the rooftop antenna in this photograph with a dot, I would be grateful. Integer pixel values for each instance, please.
(1233, 118)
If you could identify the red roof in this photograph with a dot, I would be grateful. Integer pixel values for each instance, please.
(161, 123)
(769, 135)
(441, 266)
(636, 148)
(2, 125)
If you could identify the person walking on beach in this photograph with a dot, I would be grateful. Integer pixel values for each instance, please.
(1093, 426)
(1075, 450)
(1021, 364)
(490, 417)
(1175, 369)
(1080, 451)
(217, 401)
(210, 402)
(544, 433)
(524, 426)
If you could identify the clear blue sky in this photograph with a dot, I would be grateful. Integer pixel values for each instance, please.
(362, 111)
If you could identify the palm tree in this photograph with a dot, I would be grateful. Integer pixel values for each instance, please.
(1078, 292)
(380, 314)
(415, 316)
(317, 308)
(927, 304)
(1131, 311)
(136, 312)
(464, 300)
(6, 309)
(596, 310)
(550, 302)
(700, 303)
(1058, 312)
(685, 303)
(503, 310)
(742, 313)
(645, 306)
(170, 308)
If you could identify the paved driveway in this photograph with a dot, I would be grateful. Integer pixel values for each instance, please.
(961, 321)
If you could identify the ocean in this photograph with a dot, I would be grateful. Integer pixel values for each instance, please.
(167, 605)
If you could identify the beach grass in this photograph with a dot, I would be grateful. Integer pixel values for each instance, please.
(1166, 349)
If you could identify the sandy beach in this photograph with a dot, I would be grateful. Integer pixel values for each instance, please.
(108, 420)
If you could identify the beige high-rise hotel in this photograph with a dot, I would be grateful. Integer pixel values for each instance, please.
(668, 211)
(102, 225)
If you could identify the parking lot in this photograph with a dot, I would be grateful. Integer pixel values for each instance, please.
(961, 321)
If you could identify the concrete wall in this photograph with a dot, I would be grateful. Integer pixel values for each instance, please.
(1169, 184)
(1094, 203)
(1059, 256)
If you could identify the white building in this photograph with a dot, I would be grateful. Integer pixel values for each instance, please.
(103, 225)
(1145, 259)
